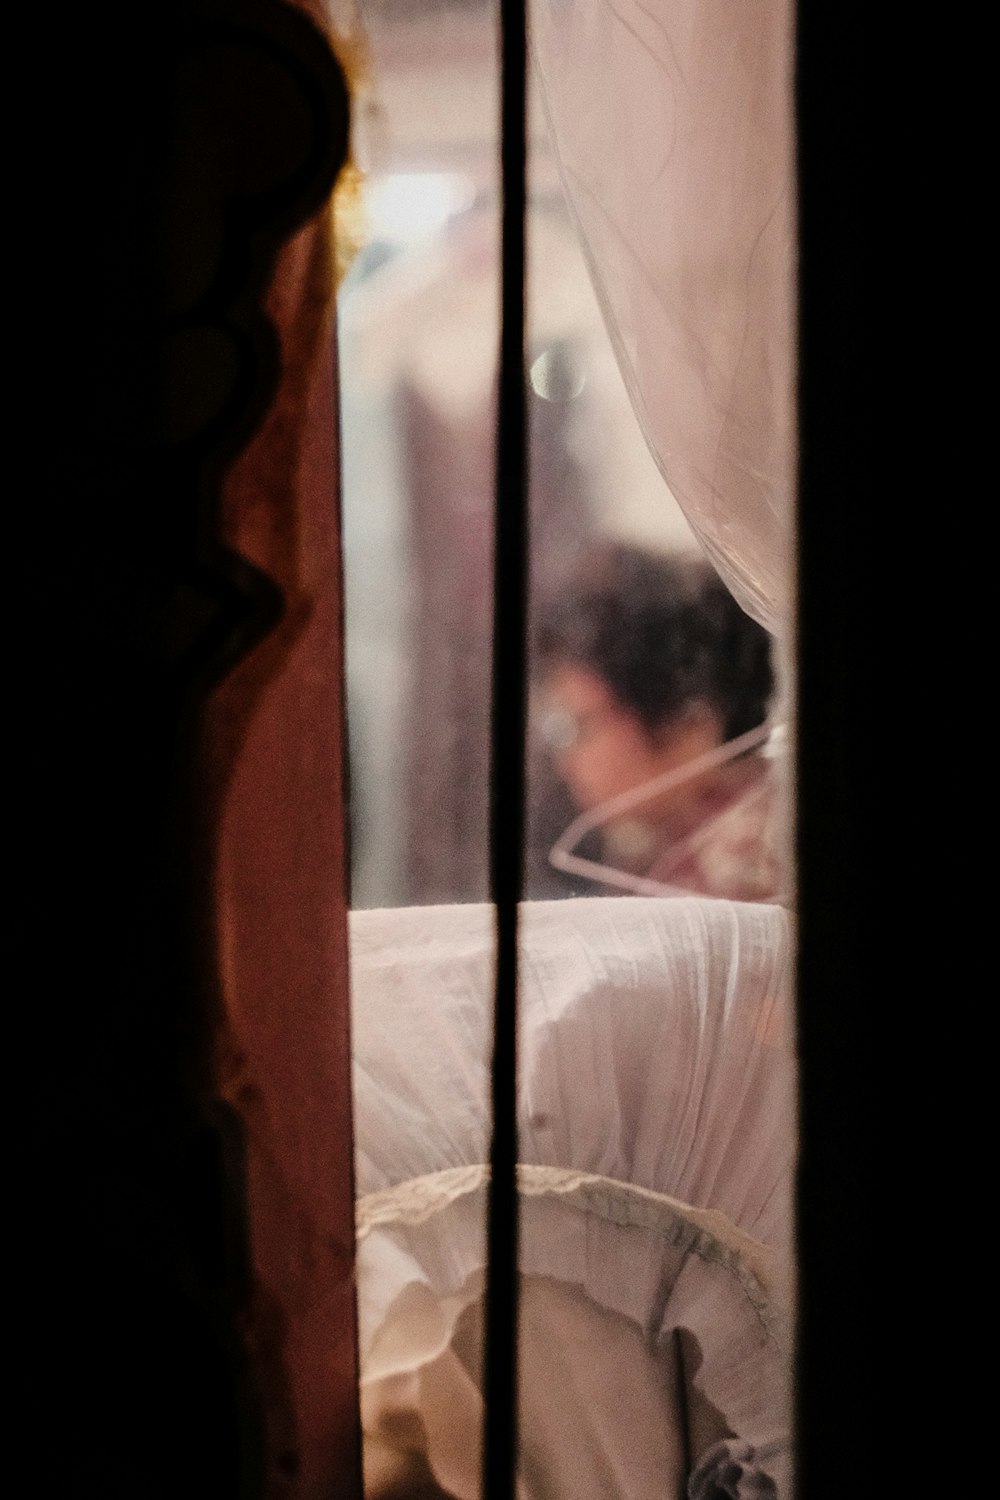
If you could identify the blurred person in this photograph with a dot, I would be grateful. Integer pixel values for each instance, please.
(646, 667)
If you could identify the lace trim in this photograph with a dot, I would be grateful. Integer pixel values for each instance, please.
(707, 1233)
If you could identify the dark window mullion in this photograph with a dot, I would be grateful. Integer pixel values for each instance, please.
(507, 773)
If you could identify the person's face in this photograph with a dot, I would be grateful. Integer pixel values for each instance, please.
(602, 748)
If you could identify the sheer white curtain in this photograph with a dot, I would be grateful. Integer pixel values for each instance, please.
(673, 124)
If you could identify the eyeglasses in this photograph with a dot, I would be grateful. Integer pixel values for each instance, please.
(560, 730)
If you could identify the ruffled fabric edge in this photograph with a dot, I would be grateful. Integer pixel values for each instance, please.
(657, 1263)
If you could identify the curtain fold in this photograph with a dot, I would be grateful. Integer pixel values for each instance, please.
(273, 772)
(685, 206)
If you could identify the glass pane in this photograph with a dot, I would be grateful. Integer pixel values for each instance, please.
(419, 330)
(656, 1091)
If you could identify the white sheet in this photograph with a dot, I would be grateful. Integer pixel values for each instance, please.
(657, 1134)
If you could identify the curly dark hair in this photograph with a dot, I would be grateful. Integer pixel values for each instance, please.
(662, 631)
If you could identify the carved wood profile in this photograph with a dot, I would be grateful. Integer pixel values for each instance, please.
(180, 918)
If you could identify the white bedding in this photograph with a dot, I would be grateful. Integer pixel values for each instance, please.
(657, 1136)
